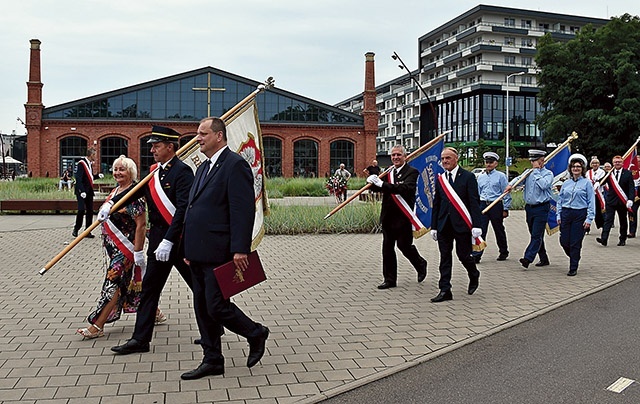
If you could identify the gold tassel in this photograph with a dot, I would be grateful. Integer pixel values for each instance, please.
(420, 232)
(479, 247)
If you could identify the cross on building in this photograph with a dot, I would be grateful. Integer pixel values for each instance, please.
(208, 89)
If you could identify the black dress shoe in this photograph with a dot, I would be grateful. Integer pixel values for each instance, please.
(74, 233)
(525, 262)
(90, 236)
(257, 347)
(473, 286)
(131, 346)
(205, 369)
(542, 263)
(197, 341)
(631, 235)
(422, 272)
(443, 296)
(386, 285)
(502, 257)
(622, 243)
(601, 241)
(573, 272)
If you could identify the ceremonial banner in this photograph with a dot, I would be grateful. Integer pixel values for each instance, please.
(428, 165)
(631, 163)
(558, 165)
(244, 137)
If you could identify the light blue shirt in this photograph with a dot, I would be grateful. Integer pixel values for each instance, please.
(577, 195)
(491, 185)
(537, 186)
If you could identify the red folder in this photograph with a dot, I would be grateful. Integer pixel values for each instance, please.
(233, 280)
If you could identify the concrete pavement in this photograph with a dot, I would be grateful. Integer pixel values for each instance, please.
(331, 329)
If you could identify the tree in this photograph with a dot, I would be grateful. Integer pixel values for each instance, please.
(591, 85)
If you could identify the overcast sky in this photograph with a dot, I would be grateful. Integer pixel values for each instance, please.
(312, 48)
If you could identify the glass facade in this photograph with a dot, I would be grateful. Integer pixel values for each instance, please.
(305, 158)
(341, 152)
(272, 156)
(72, 149)
(110, 149)
(185, 99)
(484, 116)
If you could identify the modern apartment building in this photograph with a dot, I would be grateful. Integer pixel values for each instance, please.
(467, 66)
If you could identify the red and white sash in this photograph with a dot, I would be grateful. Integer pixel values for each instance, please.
(122, 243)
(87, 170)
(478, 244)
(416, 225)
(618, 190)
(160, 198)
(596, 188)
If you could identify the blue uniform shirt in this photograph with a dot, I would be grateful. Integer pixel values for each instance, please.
(537, 186)
(578, 195)
(491, 185)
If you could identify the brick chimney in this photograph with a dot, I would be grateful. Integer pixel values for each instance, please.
(33, 109)
(369, 111)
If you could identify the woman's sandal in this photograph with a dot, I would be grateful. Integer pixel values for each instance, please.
(86, 334)
(161, 318)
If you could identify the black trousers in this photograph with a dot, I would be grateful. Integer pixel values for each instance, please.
(609, 217)
(403, 237)
(446, 238)
(494, 215)
(213, 312)
(85, 210)
(154, 280)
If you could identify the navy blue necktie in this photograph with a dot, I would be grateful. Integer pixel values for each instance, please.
(450, 178)
(205, 172)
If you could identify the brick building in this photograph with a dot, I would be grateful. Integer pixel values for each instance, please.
(301, 137)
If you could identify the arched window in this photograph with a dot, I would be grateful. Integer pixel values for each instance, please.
(272, 156)
(110, 149)
(305, 158)
(341, 152)
(146, 158)
(72, 149)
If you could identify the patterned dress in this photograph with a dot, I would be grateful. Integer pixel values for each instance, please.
(122, 274)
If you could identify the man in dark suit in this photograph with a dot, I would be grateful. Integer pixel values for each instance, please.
(218, 228)
(619, 199)
(167, 195)
(449, 223)
(396, 227)
(84, 191)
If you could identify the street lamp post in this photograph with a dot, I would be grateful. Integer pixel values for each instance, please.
(506, 138)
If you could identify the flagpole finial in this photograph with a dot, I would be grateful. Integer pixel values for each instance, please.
(269, 83)
(573, 136)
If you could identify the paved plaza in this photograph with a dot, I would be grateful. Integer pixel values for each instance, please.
(331, 329)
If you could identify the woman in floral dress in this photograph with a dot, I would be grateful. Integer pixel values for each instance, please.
(123, 234)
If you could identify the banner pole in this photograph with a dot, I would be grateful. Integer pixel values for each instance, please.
(524, 176)
(269, 83)
(410, 157)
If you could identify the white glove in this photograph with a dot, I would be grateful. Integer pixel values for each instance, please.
(83, 195)
(434, 235)
(100, 175)
(629, 204)
(374, 180)
(103, 213)
(476, 232)
(138, 258)
(164, 250)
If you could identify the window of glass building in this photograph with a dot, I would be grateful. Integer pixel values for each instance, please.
(146, 157)
(305, 158)
(341, 152)
(72, 149)
(272, 156)
(110, 149)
